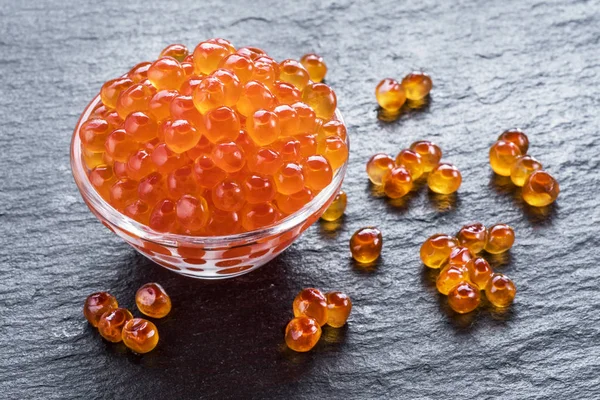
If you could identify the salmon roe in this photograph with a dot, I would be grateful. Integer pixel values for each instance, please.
(378, 166)
(412, 162)
(111, 324)
(500, 290)
(500, 238)
(523, 168)
(449, 277)
(503, 155)
(460, 257)
(366, 244)
(430, 154)
(336, 208)
(444, 179)
(311, 303)
(397, 182)
(473, 236)
(140, 335)
(97, 304)
(463, 276)
(480, 272)
(516, 137)
(436, 250)
(417, 85)
(339, 307)
(540, 189)
(390, 95)
(152, 300)
(302, 334)
(215, 134)
(315, 66)
(177, 51)
(464, 297)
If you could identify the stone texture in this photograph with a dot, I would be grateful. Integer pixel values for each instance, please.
(495, 65)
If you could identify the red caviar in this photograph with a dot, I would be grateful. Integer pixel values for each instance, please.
(215, 140)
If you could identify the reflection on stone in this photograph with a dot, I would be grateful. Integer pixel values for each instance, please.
(443, 202)
(387, 116)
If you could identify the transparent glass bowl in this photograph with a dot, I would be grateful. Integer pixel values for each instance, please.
(204, 257)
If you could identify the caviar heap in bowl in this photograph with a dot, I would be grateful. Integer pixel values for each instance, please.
(210, 162)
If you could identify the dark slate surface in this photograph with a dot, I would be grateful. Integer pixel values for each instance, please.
(495, 65)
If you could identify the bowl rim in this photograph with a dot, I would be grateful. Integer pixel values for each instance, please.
(95, 202)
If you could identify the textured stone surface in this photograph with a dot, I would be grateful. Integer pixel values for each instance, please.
(494, 64)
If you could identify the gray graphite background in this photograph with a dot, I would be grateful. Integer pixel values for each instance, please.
(495, 65)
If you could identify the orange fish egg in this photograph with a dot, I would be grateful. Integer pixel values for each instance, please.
(163, 217)
(242, 66)
(139, 210)
(228, 195)
(289, 179)
(222, 42)
(315, 66)
(176, 51)
(190, 84)
(259, 188)
(102, 177)
(192, 212)
(289, 204)
(93, 134)
(229, 157)
(182, 107)
(307, 118)
(263, 127)
(207, 173)
(430, 153)
(181, 136)
(139, 73)
(288, 119)
(390, 95)
(286, 93)
(122, 193)
(291, 71)
(166, 73)
(251, 52)
(321, 98)
(335, 151)
(119, 145)
(160, 103)
(222, 124)
(181, 182)
(232, 87)
(417, 85)
(141, 127)
(207, 56)
(255, 216)
(209, 94)
(135, 98)
(254, 96)
(333, 128)
(308, 144)
(265, 71)
(266, 161)
(112, 89)
(317, 172)
(140, 165)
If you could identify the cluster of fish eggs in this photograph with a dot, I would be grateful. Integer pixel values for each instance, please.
(508, 157)
(216, 141)
(397, 176)
(116, 324)
(312, 310)
(464, 274)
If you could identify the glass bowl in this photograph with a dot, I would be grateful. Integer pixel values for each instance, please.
(204, 257)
